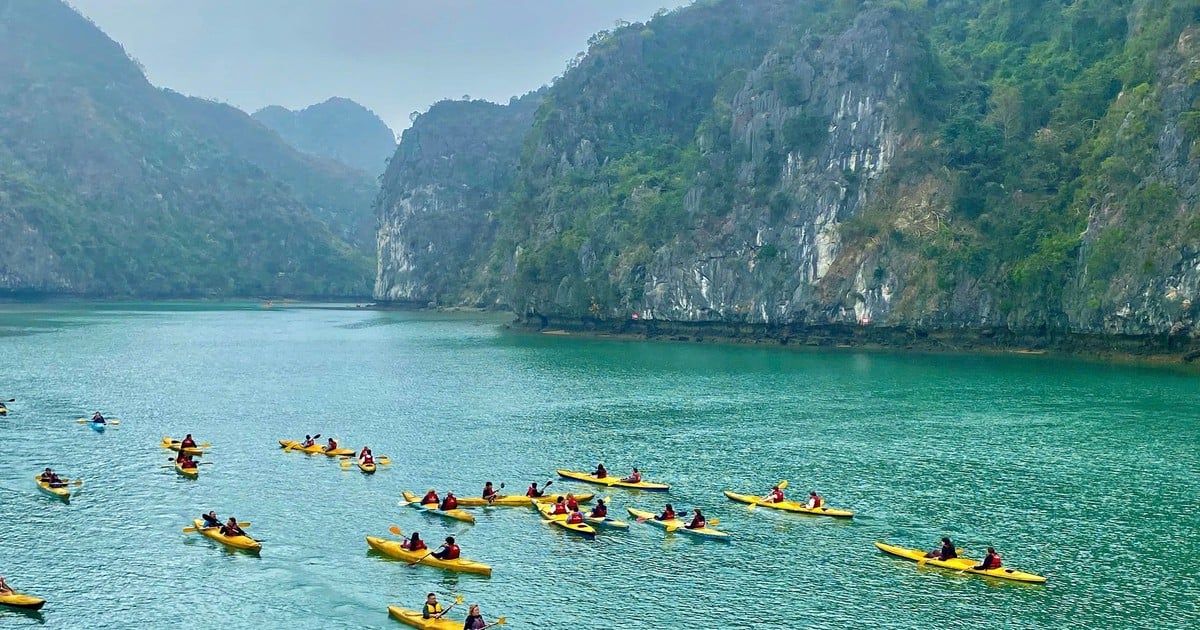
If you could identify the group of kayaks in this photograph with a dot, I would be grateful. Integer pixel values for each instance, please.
(342, 453)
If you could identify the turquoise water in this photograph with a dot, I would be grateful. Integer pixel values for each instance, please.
(1086, 473)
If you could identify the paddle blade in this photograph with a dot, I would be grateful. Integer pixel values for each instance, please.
(501, 621)
(204, 445)
(345, 463)
(640, 519)
(783, 484)
(385, 460)
(671, 528)
(715, 521)
(395, 530)
(77, 482)
(458, 599)
(189, 530)
(750, 508)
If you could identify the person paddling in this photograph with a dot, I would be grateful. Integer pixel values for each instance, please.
(572, 502)
(449, 503)
(308, 441)
(5, 589)
(474, 620)
(365, 456)
(432, 609)
(698, 521)
(185, 461)
(774, 496)
(231, 528)
(331, 445)
(533, 491)
(990, 561)
(600, 472)
(431, 497)
(448, 551)
(52, 479)
(489, 493)
(187, 442)
(667, 515)
(814, 500)
(599, 510)
(576, 517)
(560, 507)
(945, 552)
(210, 519)
(413, 542)
(634, 477)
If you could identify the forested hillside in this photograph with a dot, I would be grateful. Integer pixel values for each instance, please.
(339, 129)
(112, 187)
(1015, 167)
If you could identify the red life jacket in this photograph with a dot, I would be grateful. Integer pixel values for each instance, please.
(667, 515)
(532, 493)
(572, 504)
(776, 496)
(450, 503)
(187, 443)
(816, 501)
(409, 545)
(487, 491)
(430, 497)
(600, 511)
(559, 508)
(992, 562)
(698, 522)
(575, 518)
(635, 478)
(452, 552)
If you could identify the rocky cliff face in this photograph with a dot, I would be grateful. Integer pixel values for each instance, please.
(440, 192)
(1016, 172)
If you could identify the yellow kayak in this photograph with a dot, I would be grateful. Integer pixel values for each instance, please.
(959, 564)
(790, 506)
(514, 500)
(456, 514)
(677, 526)
(367, 468)
(190, 473)
(295, 446)
(168, 443)
(63, 492)
(612, 482)
(560, 520)
(416, 620)
(245, 543)
(336, 452)
(27, 602)
(392, 548)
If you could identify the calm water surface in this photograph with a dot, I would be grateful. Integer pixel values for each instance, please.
(1085, 473)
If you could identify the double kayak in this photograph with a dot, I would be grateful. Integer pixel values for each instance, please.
(959, 564)
(190, 473)
(173, 445)
(366, 468)
(392, 549)
(676, 525)
(337, 452)
(24, 602)
(790, 506)
(62, 492)
(415, 619)
(514, 500)
(560, 520)
(293, 445)
(613, 482)
(605, 523)
(244, 543)
(456, 514)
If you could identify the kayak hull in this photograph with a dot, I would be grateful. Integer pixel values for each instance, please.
(456, 514)
(605, 523)
(960, 564)
(98, 427)
(790, 506)
(392, 549)
(367, 468)
(244, 543)
(295, 446)
(337, 452)
(24, 602)
(677, 526)
(613, 482)
(63, 493)
(514, 500)
(190, 473)
(560, 520)
(173, 445)
(416, 620)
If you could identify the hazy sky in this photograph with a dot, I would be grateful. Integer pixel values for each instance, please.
(394, 56)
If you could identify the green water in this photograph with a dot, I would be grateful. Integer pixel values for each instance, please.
(1084, 473)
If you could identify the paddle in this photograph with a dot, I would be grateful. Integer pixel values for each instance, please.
(426, 556)
(113, 421)
(168, 443)
(495, 494)
(458, 599)
(782, 486)
(499, 622)
(294, 444)
(348, 461)
(191, 529)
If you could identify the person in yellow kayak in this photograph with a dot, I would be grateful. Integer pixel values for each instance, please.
(774, 496)
(599, 510)
(210, 519)
(231, 528)
(600, 471)
(576, 517)
(5, 589)
(187, 442)
(365, 456)
(308, 441)
(560, 507)
(448, 551)
(945, 552)
(97, 418)
(331, 445)
(185, 461)
(533, 491)
(474, 620)
(489, 493)
(990, 561)
(814, 500)
(449, 503)
(431, 497)
(50, 477)
(634, 477)
(572, 502)
(667, 515)
(698, 521)
(413, 542)
(432, 609)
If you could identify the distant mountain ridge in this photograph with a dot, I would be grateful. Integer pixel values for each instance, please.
(338, 128)
(112, 187)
